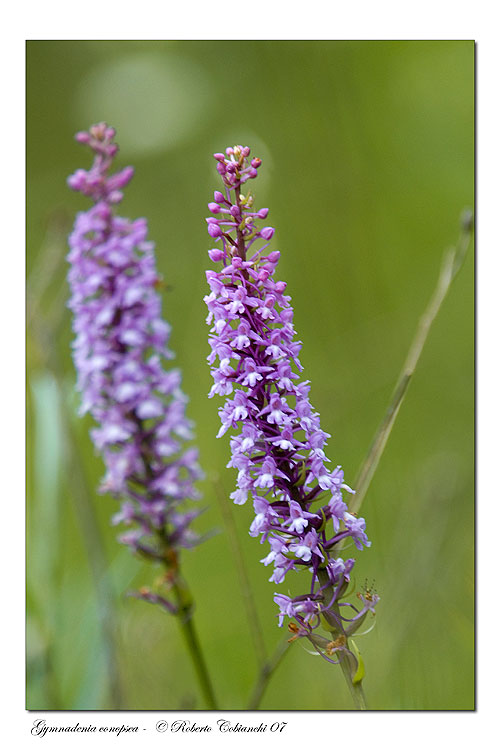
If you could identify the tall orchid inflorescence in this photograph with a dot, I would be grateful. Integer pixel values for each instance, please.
(279, 448)
(120, 350)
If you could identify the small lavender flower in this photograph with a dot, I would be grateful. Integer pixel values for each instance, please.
(278, 450)
(120, 351)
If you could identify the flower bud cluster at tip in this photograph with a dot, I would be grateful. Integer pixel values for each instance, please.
(235, 169)
(120, 351)
(278, 450)
(96, 182)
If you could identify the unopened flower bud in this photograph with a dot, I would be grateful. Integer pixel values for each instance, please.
(82, 137)
(266, 233)
(214, 230)
(216, 254)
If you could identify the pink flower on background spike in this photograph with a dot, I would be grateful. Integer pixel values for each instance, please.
(120, 351)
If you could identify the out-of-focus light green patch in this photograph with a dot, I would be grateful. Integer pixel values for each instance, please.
(42, 537)
(45, 395)
(44, 510)
(156, 102)
(451, 63)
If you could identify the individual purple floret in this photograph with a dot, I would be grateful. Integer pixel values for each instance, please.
(120, 350)
(278, 450)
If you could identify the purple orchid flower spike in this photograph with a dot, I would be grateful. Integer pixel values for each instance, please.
(278, 448)
(120, 351)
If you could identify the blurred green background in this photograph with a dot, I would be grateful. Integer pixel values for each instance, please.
(368, 160)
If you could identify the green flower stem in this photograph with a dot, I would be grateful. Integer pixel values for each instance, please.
(355, 687)
(185, 618)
